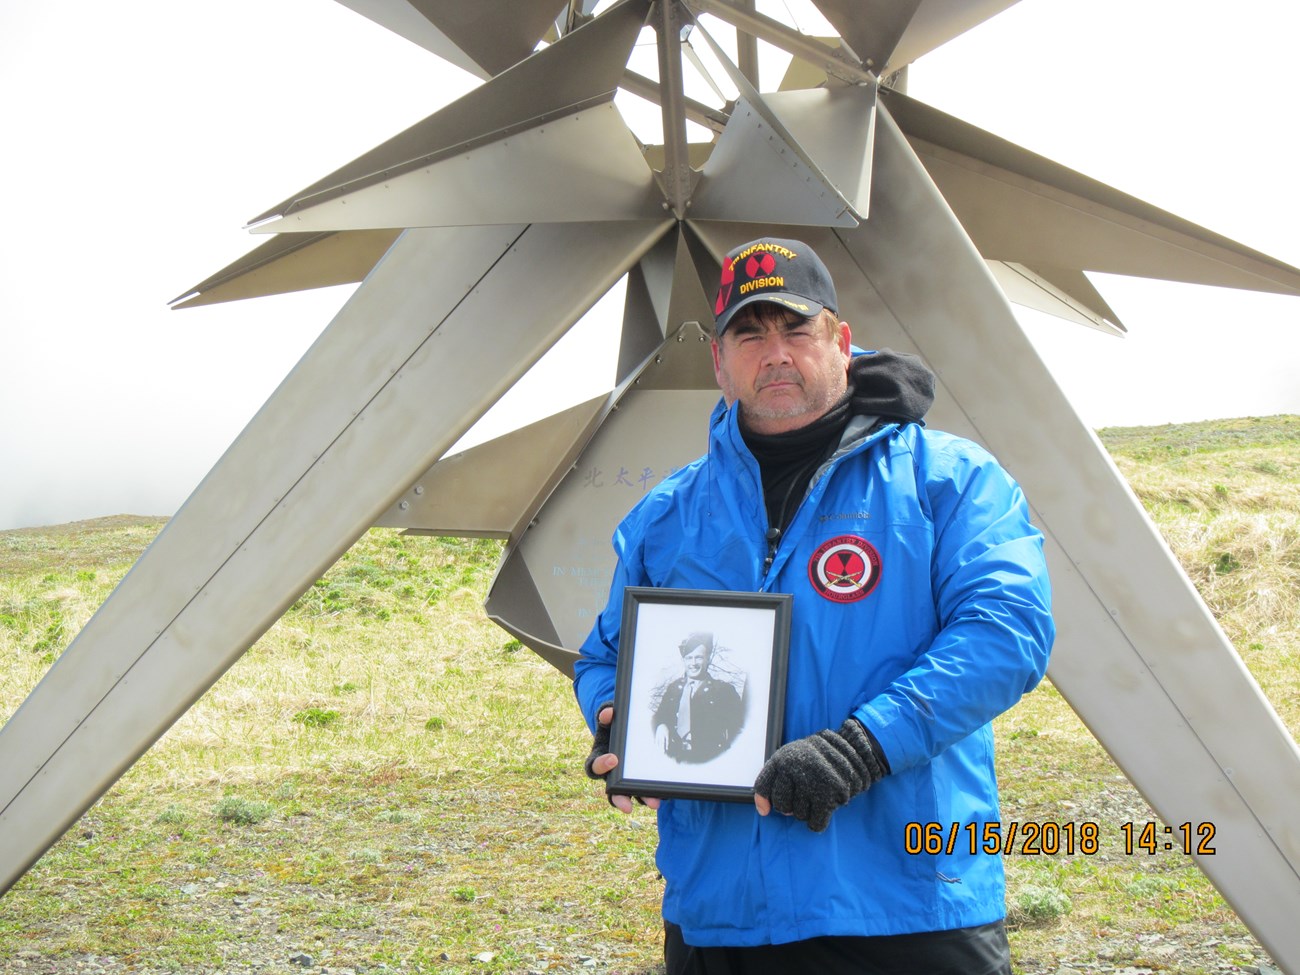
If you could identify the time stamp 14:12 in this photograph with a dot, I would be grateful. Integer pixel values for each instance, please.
(1051, 839)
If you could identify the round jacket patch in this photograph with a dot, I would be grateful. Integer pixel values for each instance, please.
(845, 568)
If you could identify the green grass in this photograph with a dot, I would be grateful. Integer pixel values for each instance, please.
(1160, 443)
(384, 778)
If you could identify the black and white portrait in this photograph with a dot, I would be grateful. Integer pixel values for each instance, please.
(698, 715)
(700, 688)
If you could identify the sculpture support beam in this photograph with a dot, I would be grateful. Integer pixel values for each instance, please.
(1143, 663)
(381, 395)
(676, 176)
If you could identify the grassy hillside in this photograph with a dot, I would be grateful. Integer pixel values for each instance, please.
(387, 782)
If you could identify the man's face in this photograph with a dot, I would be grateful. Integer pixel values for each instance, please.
(695, 662)
(786, 371)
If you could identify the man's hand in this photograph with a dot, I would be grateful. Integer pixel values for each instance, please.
(602, 761)
(812, 777)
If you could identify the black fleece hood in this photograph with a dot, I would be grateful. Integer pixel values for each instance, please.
(894, 386)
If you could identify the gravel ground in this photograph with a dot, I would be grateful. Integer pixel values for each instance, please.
(262, 950)
(1149, 955)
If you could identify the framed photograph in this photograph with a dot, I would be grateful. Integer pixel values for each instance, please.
(700, 692)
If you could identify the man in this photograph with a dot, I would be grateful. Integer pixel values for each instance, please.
(921, 610)
(698, 716)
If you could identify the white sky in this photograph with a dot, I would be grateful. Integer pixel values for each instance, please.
(140, 136)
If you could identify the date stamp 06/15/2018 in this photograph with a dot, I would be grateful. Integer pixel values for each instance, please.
(1053, 839)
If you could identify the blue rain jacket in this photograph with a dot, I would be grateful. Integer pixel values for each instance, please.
(949, 627)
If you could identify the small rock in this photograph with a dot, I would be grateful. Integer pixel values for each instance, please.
(306, 961)
(484, 956)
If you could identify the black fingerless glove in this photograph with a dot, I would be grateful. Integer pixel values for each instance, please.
(812, 777)
(599, 742)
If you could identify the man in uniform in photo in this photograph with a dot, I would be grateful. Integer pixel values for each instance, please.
(699, 715)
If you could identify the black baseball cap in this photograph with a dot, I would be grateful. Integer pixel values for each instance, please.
(787, 272)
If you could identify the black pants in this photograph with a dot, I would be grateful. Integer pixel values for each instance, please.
(981, 950)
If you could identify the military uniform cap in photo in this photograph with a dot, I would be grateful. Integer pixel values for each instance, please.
(704, 640)
(787, 272)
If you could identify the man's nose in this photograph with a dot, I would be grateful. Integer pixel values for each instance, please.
(776, 349)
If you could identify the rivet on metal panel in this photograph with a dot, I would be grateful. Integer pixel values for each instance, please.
(405, 505)
(419, 489)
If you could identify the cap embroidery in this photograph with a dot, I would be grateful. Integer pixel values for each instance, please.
(760, 265)
(724, 290)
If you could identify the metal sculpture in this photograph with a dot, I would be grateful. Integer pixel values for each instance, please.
(523, 203)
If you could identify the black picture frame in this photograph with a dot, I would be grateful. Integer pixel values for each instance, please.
(745, 639)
